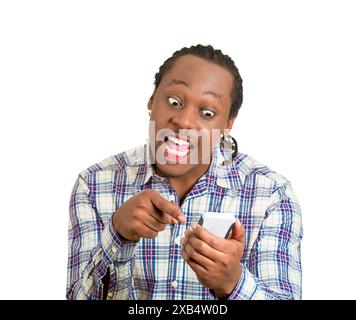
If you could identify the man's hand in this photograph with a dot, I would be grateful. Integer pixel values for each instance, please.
(144, 215)
(215, 261)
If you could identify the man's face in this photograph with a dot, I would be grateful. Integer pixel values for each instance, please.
(191, 103)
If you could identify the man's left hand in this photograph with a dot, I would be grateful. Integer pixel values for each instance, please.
(215, 261)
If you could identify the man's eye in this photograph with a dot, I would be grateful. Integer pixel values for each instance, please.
(174, 102)
(207, 113)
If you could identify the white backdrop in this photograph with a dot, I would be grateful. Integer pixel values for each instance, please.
(75, 77)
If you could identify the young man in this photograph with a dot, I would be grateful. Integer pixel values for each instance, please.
(133, 231)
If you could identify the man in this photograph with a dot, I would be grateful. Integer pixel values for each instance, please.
(133, 231)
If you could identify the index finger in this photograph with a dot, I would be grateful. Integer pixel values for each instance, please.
(167, 207)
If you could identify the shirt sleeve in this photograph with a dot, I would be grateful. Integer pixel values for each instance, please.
(273, 269)
(94, 249)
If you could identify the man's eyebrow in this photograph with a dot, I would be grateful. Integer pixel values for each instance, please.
(214, 94)
(176, 81)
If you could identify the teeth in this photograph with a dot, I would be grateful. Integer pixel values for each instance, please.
(176, 152)
(179, 141)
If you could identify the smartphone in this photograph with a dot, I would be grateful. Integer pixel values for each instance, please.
(219, 224)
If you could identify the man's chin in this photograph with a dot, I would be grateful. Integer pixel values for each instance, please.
(171, 170)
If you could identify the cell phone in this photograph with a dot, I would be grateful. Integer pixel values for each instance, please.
(219, 224)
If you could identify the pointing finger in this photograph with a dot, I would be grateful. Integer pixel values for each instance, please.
(165, 206)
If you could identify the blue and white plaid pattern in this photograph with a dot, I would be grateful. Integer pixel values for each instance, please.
(261, 199)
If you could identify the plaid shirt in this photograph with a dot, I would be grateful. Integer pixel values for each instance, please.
(261, 199)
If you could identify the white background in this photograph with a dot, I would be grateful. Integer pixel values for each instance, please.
(75, 77)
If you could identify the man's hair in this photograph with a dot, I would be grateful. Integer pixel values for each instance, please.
(213, 55)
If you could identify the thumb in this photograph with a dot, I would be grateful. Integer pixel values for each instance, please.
(237, 232)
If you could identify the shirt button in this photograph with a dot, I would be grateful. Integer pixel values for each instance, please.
(174, 284)
(177, 241)
(110, 295)
(114, 249)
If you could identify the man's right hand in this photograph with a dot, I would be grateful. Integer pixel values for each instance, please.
(144, 215)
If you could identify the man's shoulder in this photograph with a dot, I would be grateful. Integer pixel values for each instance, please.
(118, 162)
(249, 168)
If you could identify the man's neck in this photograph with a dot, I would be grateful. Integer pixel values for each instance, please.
(185, 183)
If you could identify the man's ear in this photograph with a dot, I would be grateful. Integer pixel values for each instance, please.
(150, 101)
(229, 125)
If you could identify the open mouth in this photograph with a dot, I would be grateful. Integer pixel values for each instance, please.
(176, 149)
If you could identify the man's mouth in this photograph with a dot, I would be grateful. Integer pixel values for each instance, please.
(176, 149)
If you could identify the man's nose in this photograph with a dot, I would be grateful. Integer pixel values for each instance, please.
(186, 118)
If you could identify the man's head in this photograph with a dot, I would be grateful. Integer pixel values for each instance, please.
(198, 89)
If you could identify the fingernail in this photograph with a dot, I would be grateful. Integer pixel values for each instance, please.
(194, 226)
(181, 218)
(182, 241)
